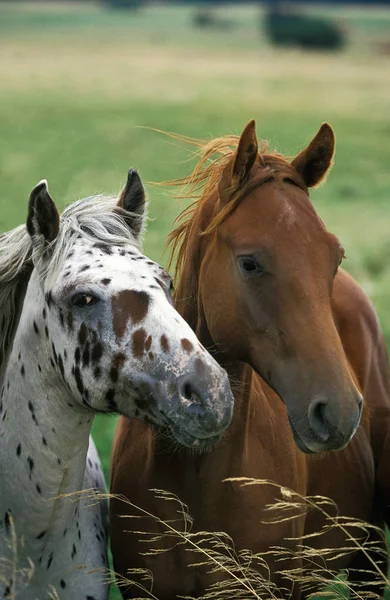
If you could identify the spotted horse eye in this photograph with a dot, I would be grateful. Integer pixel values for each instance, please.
(84, 300)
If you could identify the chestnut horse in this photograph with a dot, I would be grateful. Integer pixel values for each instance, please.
(259, 282)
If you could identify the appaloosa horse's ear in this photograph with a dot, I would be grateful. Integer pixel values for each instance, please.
(314, 162)
(244, 159)
(132, 202)
(43, 219)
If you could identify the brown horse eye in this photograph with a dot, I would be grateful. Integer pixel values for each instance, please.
(249, 265)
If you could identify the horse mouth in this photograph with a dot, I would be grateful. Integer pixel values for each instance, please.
(298, 440)
(187, 439)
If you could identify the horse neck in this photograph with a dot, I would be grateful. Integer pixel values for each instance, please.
(43, 436)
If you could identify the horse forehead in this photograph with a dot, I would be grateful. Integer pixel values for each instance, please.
(97, 257)
(89, 248)
(275, 208)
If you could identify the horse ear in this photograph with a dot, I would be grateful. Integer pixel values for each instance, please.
(314, 162)
(43, 219)
(246, 152)
(244, 159)
(131, 203)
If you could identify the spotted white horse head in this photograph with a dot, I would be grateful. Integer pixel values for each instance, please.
(94, 331)
(113, 335)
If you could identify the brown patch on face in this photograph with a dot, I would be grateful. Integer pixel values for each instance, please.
(128, 304)
(164, 343)
(187, 345)
(139, 339)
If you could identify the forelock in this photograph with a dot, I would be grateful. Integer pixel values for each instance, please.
(92, 219)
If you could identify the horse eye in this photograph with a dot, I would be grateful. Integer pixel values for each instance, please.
(83, 300)
(250, 266)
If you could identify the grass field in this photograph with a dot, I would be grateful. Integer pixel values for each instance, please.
(79, 85)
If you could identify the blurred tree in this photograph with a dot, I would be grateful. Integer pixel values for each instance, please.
(124, 4)
(286, 25)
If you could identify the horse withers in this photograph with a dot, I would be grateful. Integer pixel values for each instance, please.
(259, 280)
(87, 326)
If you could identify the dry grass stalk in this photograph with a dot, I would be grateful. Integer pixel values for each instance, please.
(244, 569)
(247, 573)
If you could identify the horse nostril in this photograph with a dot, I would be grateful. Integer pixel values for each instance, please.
(194, 406)
(190, 394)
(198, 405)
(318, 420)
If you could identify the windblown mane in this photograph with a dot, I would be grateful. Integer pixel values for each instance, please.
(96, 218)
(15, 270)
(200, 186)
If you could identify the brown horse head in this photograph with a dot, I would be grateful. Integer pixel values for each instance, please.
(259, 284)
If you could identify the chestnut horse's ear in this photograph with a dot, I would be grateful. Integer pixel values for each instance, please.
(244, 159)
(43, 219)
(131, 203)
(314, 162)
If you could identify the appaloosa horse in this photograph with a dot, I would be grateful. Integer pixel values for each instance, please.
(259, 282)
(87, 327)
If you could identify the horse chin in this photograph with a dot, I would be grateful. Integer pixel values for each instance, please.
(188, 440)
(299, 441)
(315, 447)
(185, 438)
(302, 446)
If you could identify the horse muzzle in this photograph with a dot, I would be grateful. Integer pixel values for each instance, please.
(326, 427)
(201, 409)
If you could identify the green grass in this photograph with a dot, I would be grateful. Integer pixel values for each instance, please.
(79, 84)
